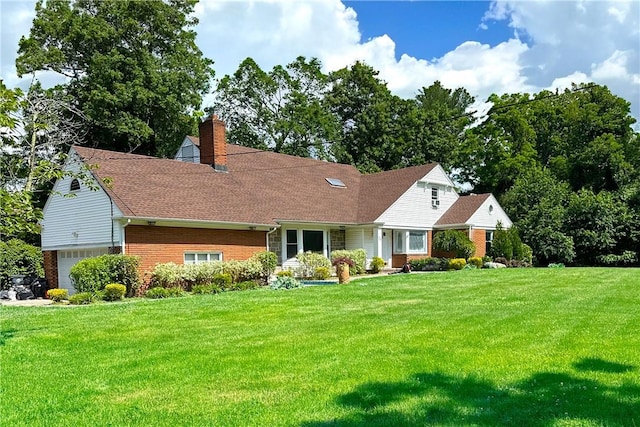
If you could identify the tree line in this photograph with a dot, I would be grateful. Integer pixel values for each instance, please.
(565, 165)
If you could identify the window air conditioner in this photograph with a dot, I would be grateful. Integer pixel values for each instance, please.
(435, 203)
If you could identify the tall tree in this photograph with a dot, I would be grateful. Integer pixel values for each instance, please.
(375, 124)
(37, 129)
(442, 121)
(134, 69)
(280, 110)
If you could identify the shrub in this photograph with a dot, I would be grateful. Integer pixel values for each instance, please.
(93, 274)
(309, 261)
(284, 282)
(206, 289)
(454, 241)
(268, 262)
(167, 275)
(377, 264)
(626, 258)
(321, 273)
(486, 258)
(241, 271)
(284, 273)
(57, 295)
(358, 256)
(501, 246)
(245, 285)
(429, 264)
(457, 263)
(476, 261)
(556, 265)
(114, 292)
(175, 292)
(221, 280)
(157, 293)
(82, 298)
(19, 258)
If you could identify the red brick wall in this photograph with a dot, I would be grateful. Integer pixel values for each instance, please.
(51, 268)
(213, 149)
(168, 244)
(478, 236)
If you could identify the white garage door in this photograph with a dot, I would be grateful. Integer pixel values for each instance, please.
(67, 259)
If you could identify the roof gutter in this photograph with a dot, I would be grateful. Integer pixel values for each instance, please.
(181, 222)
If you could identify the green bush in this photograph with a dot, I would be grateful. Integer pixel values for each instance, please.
(358, 256)
(284, 282)
(556, 265)
(114, 292)
(245, 285)
(157, 293)
(454, 241)
(308, 262)
(221, 280)
(284, 273)
(476, 261)
(93, 274)
(321, 273)
(377, 264)
(457, 263)
(222, 273)
(57, 295)
(82, 298)
(626, 258)
(206, 289)
(242, 271)
(19, 258)
(268, 262)
(486, 258)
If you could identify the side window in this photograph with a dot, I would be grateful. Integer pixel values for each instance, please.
(75, 185)
(292, 243)
(435, 201)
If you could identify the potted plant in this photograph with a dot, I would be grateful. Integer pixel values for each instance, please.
(342, 265)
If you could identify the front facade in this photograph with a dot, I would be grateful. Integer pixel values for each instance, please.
(228, 202)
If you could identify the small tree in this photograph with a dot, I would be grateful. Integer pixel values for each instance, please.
(454, 241)
(501, 246)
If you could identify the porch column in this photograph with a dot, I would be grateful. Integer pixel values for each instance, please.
(378, 242)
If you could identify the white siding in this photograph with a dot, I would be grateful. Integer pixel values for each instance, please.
(81, 221)
(414, 209)
(188, 152)
(483, 218)
(357, 238)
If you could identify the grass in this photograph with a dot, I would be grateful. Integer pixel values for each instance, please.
(521, 347)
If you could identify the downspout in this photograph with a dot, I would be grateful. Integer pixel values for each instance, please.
(267, 235)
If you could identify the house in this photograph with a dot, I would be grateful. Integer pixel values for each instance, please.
(237, 200)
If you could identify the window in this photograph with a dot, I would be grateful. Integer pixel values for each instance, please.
(187, 153)
(417, 242)
(409, 242)
(312, 240)
(75, 185)
(398, 242)
(335, 182)
(488, 241)
(435, 202)
(490, 209)
(200, 257)
(292, 243)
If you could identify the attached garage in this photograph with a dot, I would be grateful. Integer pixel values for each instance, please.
(67, 259)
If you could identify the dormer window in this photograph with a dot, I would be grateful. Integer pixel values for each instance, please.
(75, 185)
(335, 182)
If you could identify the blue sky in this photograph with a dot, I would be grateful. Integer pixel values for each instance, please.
(501, 46)
(429, 29)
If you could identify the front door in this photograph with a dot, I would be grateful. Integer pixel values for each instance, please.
(387, 246)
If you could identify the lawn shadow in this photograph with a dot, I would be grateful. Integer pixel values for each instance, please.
(6, 334)
(599, 365)
(436, 398)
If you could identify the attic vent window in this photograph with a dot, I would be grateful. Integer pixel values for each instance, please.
(335, 182)
(75, 185)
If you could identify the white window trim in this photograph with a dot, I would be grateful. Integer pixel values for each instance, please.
(196, 253)
(405, 242)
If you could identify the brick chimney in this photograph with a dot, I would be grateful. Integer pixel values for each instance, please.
(213, 144)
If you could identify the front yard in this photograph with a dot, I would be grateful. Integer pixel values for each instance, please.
(538, 347)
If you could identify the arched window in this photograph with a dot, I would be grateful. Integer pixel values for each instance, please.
(75, 185)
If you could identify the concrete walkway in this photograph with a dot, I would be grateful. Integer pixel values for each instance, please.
(26, 303)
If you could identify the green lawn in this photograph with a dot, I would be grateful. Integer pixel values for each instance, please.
(537, 347)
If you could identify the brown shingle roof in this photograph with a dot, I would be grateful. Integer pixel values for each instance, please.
(195, 140)
(462, 210)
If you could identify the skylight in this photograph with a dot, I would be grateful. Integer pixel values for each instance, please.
(335, 182)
